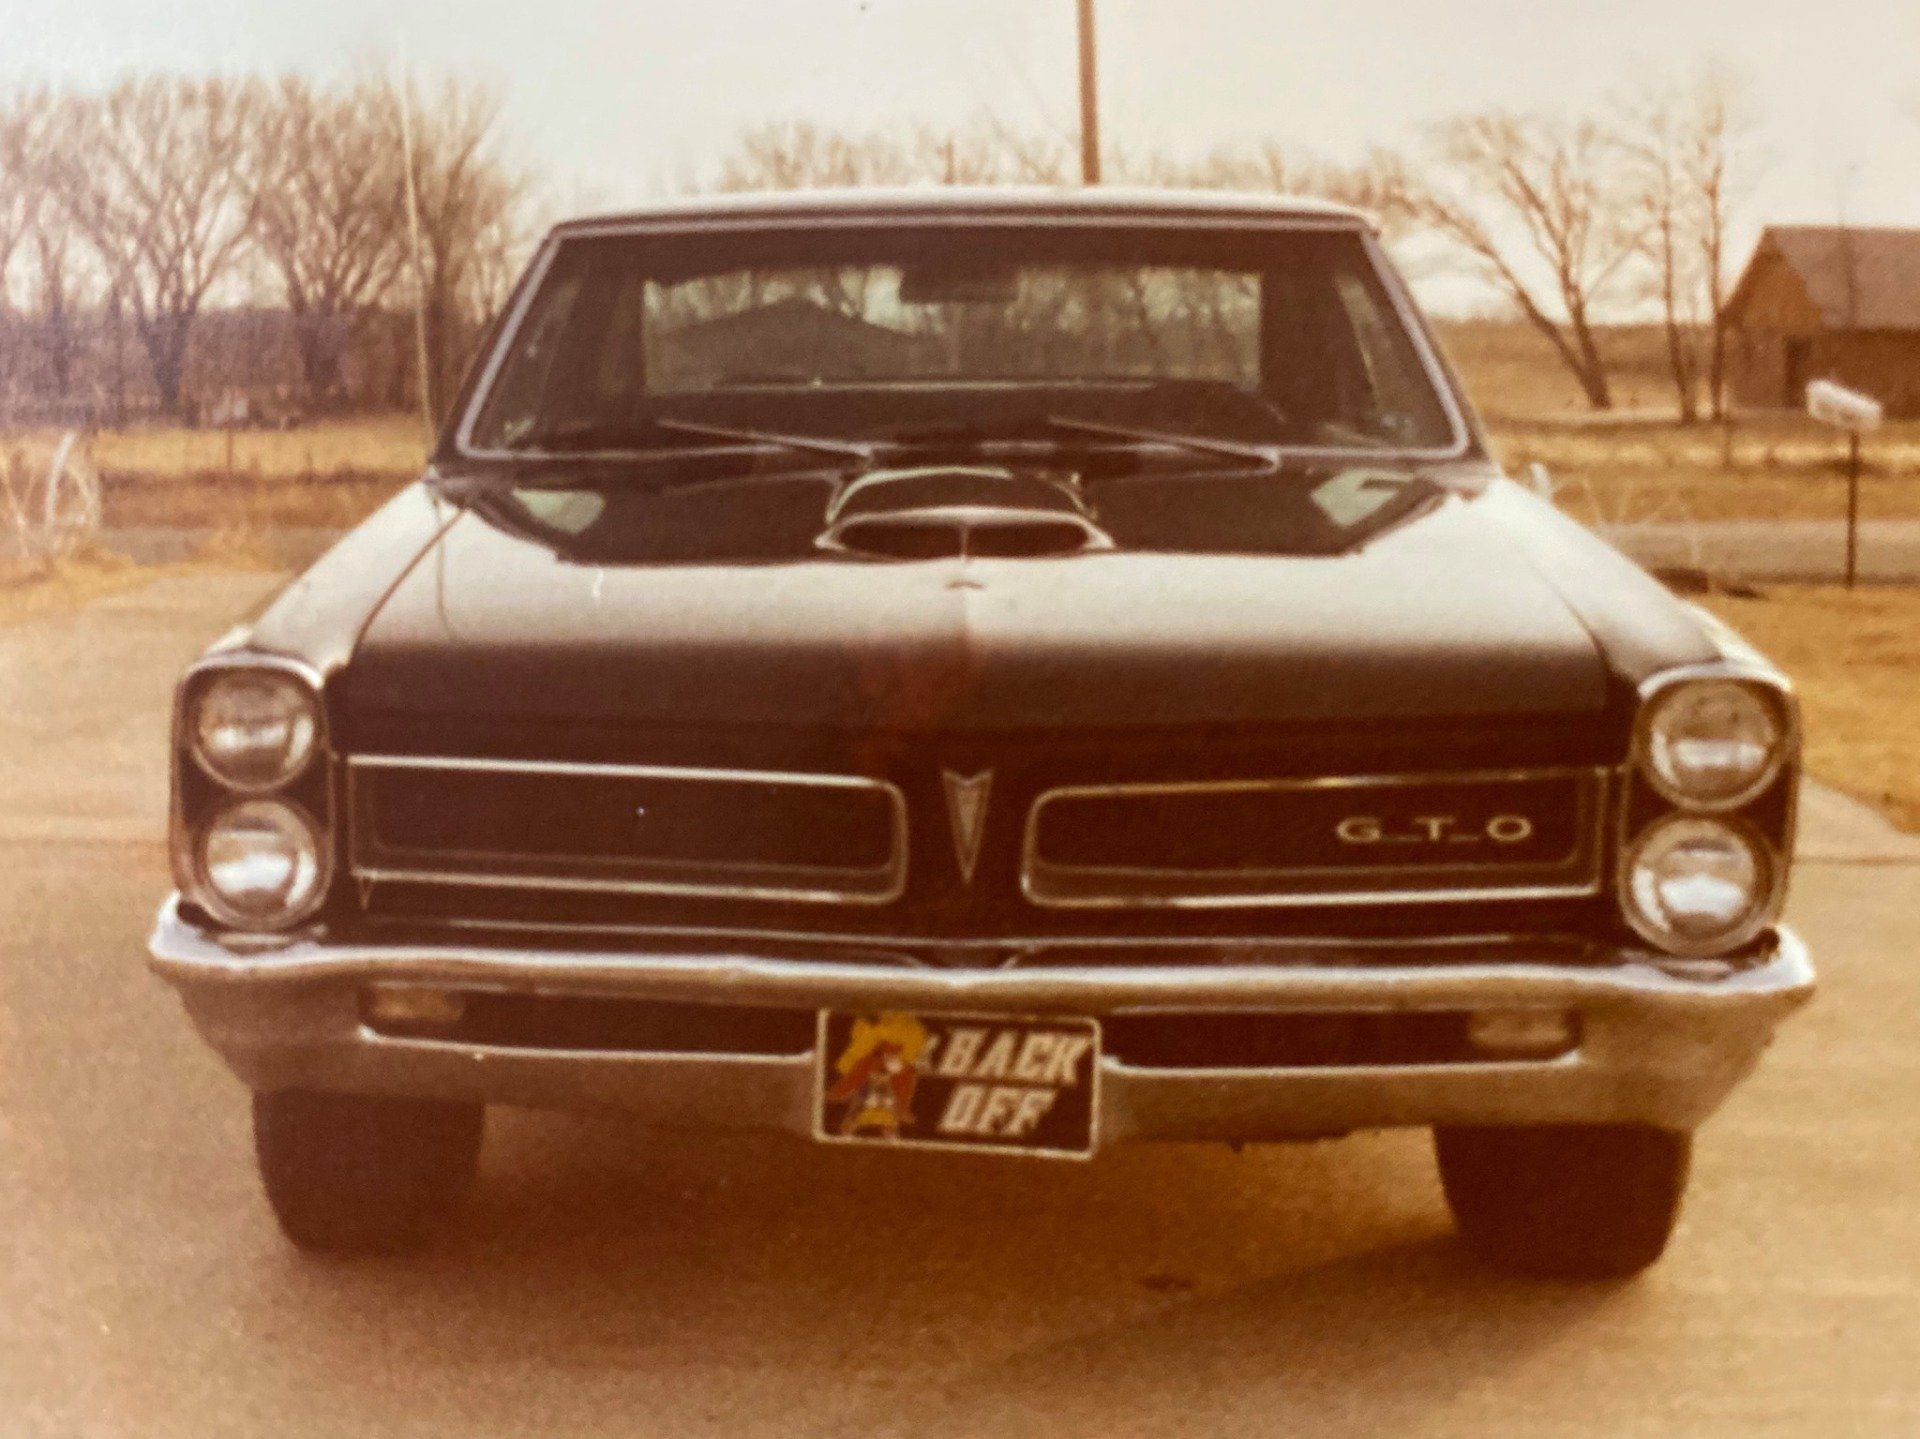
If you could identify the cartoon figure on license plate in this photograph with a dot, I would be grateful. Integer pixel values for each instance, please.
(876, 1075)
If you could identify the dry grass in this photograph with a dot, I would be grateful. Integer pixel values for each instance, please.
(1638, 464)
(1511, 370)
(328, 474)
(1856, 657)
(1768, 467)
(375, 445)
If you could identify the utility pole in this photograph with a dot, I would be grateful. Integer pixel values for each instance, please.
(1089, 100)
(404, 94)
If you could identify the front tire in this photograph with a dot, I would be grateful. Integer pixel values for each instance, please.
(1566, 1201)
(358, 1174)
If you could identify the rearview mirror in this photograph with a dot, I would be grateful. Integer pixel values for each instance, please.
(955, 285)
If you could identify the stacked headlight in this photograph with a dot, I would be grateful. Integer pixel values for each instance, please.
(1712, 744)
(260, 860)
(254, 729)
(1705, 876)
(249, 848)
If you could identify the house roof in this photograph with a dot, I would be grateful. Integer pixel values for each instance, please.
(1856, 277)
(797, 309)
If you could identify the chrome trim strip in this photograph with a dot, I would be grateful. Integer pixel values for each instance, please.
(965, 520)
(1587, 862)
(889, 880)
(1232, 948)
(796, 778)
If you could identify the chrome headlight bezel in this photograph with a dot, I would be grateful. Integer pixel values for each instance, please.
(203, 794)
(318, 858)
(305, 729)
(1768, 891)
(1666, 691)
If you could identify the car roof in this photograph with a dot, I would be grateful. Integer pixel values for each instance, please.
(1095, 204)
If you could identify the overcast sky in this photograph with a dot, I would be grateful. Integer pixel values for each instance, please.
(614, 100)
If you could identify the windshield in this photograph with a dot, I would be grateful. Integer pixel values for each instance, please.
(1275, 336)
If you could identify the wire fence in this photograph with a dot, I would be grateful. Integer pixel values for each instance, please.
(53, 511)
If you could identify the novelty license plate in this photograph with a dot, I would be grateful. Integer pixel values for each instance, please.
(999, 1084)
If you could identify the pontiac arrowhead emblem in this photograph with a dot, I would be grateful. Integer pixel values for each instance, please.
(967, 812)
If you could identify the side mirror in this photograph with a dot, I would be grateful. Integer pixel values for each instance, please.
(1539, 479)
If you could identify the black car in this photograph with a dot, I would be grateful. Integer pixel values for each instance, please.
(1014, 672)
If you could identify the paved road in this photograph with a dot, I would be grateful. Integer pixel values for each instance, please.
(1811, 550)
(610, 1282)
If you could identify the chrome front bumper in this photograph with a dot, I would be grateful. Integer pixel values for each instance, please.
(1662, 1042)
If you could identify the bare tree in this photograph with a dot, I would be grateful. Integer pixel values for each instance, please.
(1521, 195)
(153, 174)
(1690, 162)
(988, 151)
(1654, 136)
(804, 156)
(1717, 161)
(37, 227)
(469, 206)
(22, 193)
(1274, 168)
(324, 178)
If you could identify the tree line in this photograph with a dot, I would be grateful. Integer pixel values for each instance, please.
(138, 209)
(365, 233)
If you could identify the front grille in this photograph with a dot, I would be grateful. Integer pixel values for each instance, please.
(774, 833)
(1294, 841)
(627, 829)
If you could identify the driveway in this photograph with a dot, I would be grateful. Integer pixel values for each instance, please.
(608, 1281)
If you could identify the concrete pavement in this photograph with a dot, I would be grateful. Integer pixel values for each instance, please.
(1808, 551)
(612, 1281)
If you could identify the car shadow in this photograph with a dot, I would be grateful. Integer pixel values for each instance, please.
(841, 1280)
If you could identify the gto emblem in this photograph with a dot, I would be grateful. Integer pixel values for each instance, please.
(967, 814)
(1432, 829)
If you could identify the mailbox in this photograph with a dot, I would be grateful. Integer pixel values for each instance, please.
(1842, 408)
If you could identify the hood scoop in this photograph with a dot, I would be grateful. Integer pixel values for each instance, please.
(959, 513)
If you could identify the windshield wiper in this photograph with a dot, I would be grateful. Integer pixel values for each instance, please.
(1267, 457)
(777, 439)
(593, 435)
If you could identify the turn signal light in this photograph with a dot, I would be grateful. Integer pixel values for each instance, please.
(416, 1007)
(1522, 1033)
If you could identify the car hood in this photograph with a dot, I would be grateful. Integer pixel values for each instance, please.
(1448, 615)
